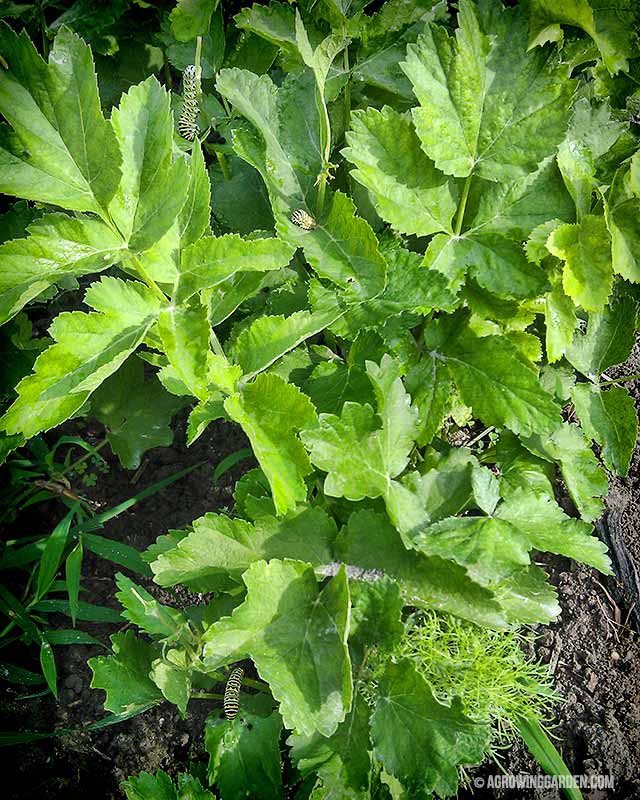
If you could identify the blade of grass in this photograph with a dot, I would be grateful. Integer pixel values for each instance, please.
(117, 552)
(24, 677)
(73, 569)
(544, 752)
(86, 611)
(52, 555)
(98, 520)
(229, 462)
(9, 737)
(48, 664)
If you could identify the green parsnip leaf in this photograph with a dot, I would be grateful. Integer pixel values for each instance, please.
(586, 249)
(124, 676)
(342, 761)
(500, 386)
(60, 149)
(211, 260)
(360, 457)
(489, 549)
(371, 543)
(136, 413)
(343, 249)
(220, 549)
(244, 756)
(407, 189)
(296, 635)
(609, 418)
(591, 133)
(145, 611)
(269, 338)
(153, 190)
(58, 247)
(88, 348)
(584, 477)
(185, 333)
(610, 24)
(408, 719)
(608, 340)
(549, 529)
(622, 212)
(271, 413)
(488, 106)
(191, 18)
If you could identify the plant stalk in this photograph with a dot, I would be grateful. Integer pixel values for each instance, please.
(142, 272)
(463, 205)
(624, 379)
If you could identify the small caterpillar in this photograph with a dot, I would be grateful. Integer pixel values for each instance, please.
(303, 219)
(231, 703)
(188, 122)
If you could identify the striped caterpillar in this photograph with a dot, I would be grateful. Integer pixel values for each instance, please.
(231, 702)
(188, 122)
(303, 220)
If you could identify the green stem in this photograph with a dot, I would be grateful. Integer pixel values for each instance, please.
(142, 272)
(226, 105)
(215, 343)
(544, 752)
(347, 91)
(624, 379)
(463, 205)
(206, 696)
(198, 67)
(259, 685)
(325, 139)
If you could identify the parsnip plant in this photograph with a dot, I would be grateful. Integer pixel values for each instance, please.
(454, 238)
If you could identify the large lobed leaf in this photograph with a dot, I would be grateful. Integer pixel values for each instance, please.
(88, 348)
(219, 549)
(296, 635)
(58, 247)
(408, 720)
(487, 105)
(360, 457)
(408, 190)
(153, 189)
(60, 149)
(271, 413)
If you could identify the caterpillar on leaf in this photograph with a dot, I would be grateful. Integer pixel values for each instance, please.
(303, 220)
(188, 122)
(231, 702)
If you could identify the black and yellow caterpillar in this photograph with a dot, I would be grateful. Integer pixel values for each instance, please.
(231, 703)
(303, 219)
(188, 122)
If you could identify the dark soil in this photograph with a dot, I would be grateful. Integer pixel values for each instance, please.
(593, 651)
(81, 764)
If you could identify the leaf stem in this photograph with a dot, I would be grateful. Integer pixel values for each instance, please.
(142, 272)
(259, 685)
(463, 205)
(198, 67)
(624, 379)
(206, 696)
(347, 90)
(215, 343)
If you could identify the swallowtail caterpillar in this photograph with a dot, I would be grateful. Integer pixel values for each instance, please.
(303, 220)
(188, 122)
(231, 702)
